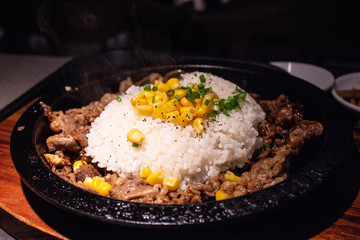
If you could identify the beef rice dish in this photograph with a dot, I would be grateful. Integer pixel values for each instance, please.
(175, 140)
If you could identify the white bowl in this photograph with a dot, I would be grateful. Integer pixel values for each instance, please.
(315, 75)
(347, 82)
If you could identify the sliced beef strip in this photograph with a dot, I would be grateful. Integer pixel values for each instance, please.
(59, 142)
(132, 189)
(125, 84)
(86, 170)
(80, 136)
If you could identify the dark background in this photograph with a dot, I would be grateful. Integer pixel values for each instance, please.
(321, 32)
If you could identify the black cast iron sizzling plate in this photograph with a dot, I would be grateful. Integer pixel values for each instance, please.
(314, 164)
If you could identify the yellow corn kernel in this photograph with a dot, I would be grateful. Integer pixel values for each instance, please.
(135, 99)
(201, 112)
(195, 88)
(149, 94)
(88, 182)
(103, 188)
(96, 181)
(173, 83)
(208, 97)
(173, 117)
(197, 102)
(144, 172)
(145, 110)
(186, 102)
(185, 110)
(188, 113)
(159, 110)
(142, 101)
(135, 136)
(157, 83)
(198, 125)
(77, 164)
(172, 105)
(222, 195)
(231, 177)
(181, 93)
(163, 87)
(161, 97)
(216, 100)
(183, 120)
(171, 183)
(156, 177)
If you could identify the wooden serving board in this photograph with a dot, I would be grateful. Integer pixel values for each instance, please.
(333, 212)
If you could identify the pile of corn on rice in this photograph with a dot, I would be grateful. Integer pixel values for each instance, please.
(175, 133)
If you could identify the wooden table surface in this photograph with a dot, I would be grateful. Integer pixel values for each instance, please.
(332, 212)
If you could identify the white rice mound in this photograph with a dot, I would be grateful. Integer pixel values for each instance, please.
(227, 143)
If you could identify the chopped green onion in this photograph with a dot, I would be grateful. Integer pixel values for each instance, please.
(177, 98)
(202, 93)
(154, 88)
(265, 144)
(118, 99)
(201, 86)
(135, 145)
(202, 78)
(226, 114)
(212, 114)
(170, 92)
(184, 88)
(153, 99)
(192, 95)
(147, 87)
(207, 102)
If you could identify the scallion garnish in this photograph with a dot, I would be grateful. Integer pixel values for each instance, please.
(202, 78)
(135, 145)
(184, 88)
(147, 87)
(191, 94)
(207, 102)
(177, 98)
(202, 93)
(201, 86)
(226, 114)
(118, 99)
(212, 114)
(170, 92)
(154, 89)
(265, 144)
(153, 99)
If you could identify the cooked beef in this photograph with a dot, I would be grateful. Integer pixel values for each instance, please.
(283, 134)
(58, 159)
(130, 190)
(59, 142)
(303, 131)
(124, 85)
(80, 136)
(86, 170)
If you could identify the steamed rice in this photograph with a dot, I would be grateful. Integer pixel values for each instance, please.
(227, 143)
